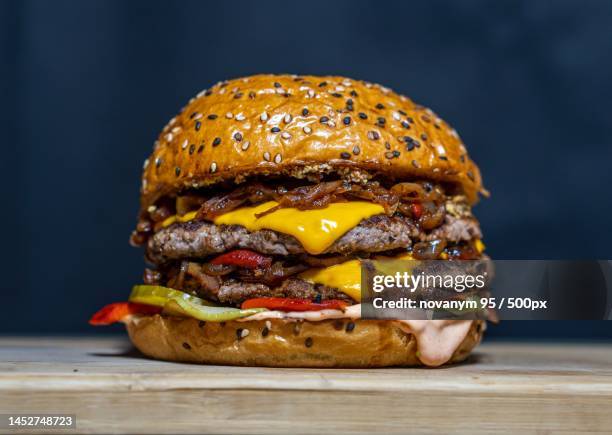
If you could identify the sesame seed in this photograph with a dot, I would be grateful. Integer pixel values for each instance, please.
(186, 346)
(229, 115)
(396, 153)
(244, 333)
(240, 117)
(331, 123)
(277, 85)
(409, 146)
(405, 124)
(308, 342)
(200, 149)
(353, 94)
(307, 130)
(356, 150)
(177, 171)
(275, 130)
(265, 331)
(266, 156)
(323, 119)
(396, 116)
(285, 135)
(423, 136)
(198, 124)
(305, 112)
(415, 164)
(212, 116)
(311, 93)
(297, 328)
(470, 175)
(287, 118)
(201, 323)
(216, 142)
(193, 115)
(264, 117)
(278, 158)
(363, 115)
(337, 95)
(373, 135)
(401, 112)
(387, 145)
(268, 324)
(192, 148)
(158, 162)
(245, 145)
(252, 95)
(381, 121)
(322, 84)
(344, 155)
(380, 106)
(347, 120)
(145, 164)
(184, 144)
(389, 155)
(213, 167)
(170, 136)
(350, 326)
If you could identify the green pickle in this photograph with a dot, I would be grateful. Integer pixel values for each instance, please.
(176, 302)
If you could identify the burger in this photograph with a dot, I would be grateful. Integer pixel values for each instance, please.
(260, 201)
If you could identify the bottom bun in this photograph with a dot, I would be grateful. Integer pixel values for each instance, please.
(281, 343)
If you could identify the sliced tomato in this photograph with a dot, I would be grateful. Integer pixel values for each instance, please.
(113, 313)
(243, 258)
(290, 304)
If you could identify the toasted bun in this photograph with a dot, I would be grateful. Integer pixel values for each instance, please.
(303, 126)
(285, 344)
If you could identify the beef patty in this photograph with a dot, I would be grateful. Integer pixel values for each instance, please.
(198, 239)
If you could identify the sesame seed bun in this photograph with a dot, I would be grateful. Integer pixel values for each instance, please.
(280, 343)
(301, 125)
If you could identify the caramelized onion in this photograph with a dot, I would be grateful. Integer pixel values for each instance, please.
(428, 250)
(217, 269)
(272, 275)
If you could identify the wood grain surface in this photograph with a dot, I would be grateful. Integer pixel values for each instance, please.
(504, 387)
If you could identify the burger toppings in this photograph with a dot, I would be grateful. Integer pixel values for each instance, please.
(118, 311)
(243, 258)
(289, 304)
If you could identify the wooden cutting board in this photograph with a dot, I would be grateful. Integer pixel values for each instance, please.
(505, 387)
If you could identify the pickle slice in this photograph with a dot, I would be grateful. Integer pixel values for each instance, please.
(188, 308)
(178, 303)
(159, 296)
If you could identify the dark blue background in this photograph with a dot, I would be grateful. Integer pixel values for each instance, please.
(87, 85)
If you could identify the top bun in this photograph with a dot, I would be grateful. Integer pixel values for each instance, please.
(299, 126)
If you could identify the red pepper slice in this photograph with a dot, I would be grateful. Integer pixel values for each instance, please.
(113, 313)
(243, 258)
(290, 304)
(416, 208)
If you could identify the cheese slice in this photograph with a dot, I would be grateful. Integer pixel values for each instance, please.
(316, 229)
(346, 277)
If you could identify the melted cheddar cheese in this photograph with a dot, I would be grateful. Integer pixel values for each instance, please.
(315, 229)
(346, 277)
